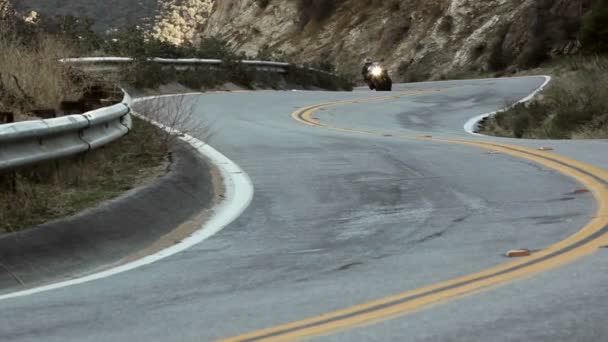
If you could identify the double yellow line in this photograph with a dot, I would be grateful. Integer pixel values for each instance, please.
(592, 236)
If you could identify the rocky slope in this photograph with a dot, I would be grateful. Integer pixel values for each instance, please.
(427, 38)
(179, 20)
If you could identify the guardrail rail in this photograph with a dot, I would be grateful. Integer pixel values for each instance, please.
(30, 142)
(111, 63)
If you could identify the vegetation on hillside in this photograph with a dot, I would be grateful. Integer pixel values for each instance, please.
(316, 11)
(594, 31)
(134, 42)
(80, 39)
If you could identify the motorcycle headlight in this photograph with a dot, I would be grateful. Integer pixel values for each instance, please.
(377, 71)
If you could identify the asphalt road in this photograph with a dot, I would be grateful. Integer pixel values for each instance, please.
(341, 218)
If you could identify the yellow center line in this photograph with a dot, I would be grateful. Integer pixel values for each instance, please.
(590, 237)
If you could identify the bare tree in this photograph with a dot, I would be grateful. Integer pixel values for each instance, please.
(176, 115)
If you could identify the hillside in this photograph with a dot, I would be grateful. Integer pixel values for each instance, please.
(107, 14)
(419, 39)
(426, 38)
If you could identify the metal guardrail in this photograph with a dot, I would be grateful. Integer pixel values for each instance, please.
(30, 142)
(123, 60)
(109, 63)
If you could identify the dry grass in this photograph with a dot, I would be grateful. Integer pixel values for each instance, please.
(176, 113)
(31, 76)
(591, 133)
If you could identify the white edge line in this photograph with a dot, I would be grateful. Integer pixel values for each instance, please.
(472, 125)
(238, 195)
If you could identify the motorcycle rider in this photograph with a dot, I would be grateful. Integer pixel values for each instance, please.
(367, 62)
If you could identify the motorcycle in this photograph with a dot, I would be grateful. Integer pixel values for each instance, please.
(378, 78)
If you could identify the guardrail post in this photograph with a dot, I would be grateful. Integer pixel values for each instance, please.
(8, 179)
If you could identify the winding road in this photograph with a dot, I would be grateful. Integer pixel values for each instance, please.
(375, 217)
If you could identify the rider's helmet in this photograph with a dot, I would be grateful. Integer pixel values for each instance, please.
(367, 60)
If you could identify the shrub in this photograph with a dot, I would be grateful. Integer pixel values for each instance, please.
(262, 3)
(129, 42)
(316, 10)
(403, 68)
(215, 48)
(447, 24)
(414, 71)
(536, 50)
(594, 31)
(394, 5)
(498, 59)
(394, 34)
(240, 74)
(77, 32)
(577, 105)
(535, 53)
(148, 75)
(478, 50)
(31, 76)
(308, 78)
(267, 80)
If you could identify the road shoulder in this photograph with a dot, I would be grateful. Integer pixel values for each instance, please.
(113, 232)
